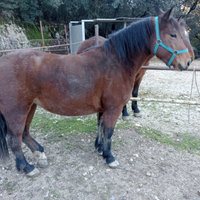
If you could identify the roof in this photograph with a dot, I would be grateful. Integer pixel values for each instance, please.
(119, 19)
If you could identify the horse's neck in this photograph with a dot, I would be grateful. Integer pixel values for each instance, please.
(140, 59)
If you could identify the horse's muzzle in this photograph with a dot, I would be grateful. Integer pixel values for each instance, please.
(188, 63)
(181, 68)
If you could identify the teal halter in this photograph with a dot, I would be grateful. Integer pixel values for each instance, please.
(159, 43)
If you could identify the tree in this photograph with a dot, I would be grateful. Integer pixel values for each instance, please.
(7, 7)
(64, 11)
(28, 11)
(191, 9)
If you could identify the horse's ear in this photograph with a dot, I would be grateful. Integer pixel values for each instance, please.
(160, 11)
(168, 15)
(182, 20)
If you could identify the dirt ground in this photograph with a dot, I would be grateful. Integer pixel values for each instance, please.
(148, 170)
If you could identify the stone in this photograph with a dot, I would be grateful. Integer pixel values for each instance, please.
(12, 37)
(91, 168)
(148, 174)
(156, 198)
(140, 185)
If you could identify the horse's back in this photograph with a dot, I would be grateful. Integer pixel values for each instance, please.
(90, 43)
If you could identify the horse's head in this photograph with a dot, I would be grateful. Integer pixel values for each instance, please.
(186, 40)
(170, 42)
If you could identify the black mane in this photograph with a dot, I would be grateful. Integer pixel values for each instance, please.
(130, 40)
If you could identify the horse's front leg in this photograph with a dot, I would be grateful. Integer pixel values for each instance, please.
(109, 120)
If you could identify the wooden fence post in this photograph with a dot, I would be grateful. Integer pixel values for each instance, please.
(66, 38)
(42, 35)
(97, 34)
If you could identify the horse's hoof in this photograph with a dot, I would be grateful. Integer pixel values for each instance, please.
(33, 173)
(41, 158)
(43, 163)
(113, 164)
(137, 114)
(126, 118)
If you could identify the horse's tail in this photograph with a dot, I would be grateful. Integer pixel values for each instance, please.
(4, 154)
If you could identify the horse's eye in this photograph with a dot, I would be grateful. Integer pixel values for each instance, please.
(173, 35)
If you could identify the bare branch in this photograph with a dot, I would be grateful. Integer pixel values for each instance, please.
(193, 7)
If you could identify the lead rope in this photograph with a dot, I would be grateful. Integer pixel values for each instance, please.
(197, 84)
(194, 77)
(191, 95)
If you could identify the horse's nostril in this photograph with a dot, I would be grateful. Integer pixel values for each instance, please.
(188, 63)
(192, 59)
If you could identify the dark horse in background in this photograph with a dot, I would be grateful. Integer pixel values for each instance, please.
(138, 79)
(97, 81)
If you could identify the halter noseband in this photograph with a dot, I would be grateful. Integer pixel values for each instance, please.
(159, 43)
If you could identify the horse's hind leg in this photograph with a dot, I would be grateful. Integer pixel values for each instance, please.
(16, 124)
(4, 153)
(138, 80)
(34, 146)
(99, 139)
(21, 163)
(125, 115)
(136, 111)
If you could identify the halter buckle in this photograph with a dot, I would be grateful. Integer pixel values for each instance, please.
(158, 41)
(175, 52)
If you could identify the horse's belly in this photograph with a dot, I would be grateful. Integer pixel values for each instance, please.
(70, 107)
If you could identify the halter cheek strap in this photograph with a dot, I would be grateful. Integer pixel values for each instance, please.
(159, 43)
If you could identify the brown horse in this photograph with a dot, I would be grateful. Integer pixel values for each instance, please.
(96, 81)
(138, 79)
(136, 112)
